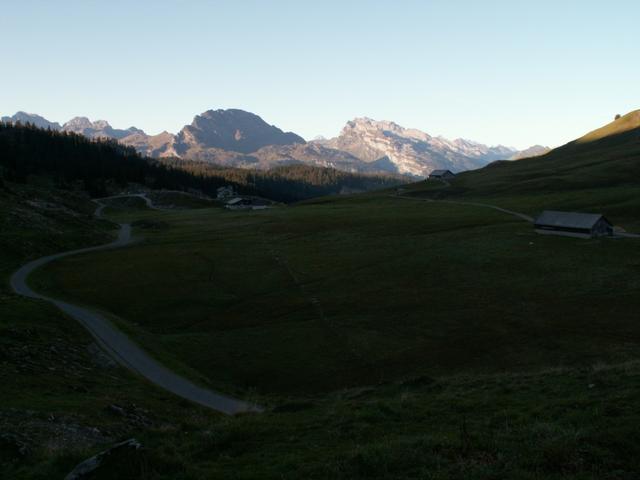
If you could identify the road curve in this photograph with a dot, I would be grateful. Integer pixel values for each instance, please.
(116, 343)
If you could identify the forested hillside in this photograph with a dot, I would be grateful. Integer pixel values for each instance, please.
(71, 159)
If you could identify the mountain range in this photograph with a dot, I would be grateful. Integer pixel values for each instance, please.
(242, 139)
(412, 151)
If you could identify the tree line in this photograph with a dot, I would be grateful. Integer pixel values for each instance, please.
(69, 159)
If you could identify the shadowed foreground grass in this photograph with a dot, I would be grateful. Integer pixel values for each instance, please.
(560, 423)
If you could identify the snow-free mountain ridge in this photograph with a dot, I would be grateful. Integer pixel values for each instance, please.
(242, 139)
(412, 151)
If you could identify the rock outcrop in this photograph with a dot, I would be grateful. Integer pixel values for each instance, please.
(97, 129)
(233, 130)
(411, 151)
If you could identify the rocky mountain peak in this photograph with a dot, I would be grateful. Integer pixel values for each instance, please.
(534, 151)
(37, 120)
(234, 130)
(97, 129)
(239, 138)
(77, 123)
(412, 151)
(101, 124)
(384, 127)
(366, 123)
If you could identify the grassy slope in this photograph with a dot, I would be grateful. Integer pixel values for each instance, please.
(628, 122)
(598, 172)
(569, 424)
(56, 386)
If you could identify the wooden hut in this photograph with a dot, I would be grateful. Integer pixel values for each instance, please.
(442, 174)
(573, 224)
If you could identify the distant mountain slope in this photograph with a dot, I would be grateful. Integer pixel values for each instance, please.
(226, 137)
(37, 120)
(235, 138)
(412, 151)
(79, 125)
(97, 129)
(242, 139)
(234, 130)
(156, 146)
(534, 151)
(100, 164)
(274, 156)
(313, 154)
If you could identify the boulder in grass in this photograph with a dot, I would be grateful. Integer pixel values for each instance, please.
(122, 460)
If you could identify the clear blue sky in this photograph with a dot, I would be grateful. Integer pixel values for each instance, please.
(511, 72)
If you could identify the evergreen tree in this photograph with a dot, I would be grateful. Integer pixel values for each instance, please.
(70, 158)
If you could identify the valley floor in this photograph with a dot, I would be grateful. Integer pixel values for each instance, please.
(389, 339)
(357, 291)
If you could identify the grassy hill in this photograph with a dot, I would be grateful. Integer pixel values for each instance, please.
(62, 399)
(598, 172)
(630, 121)
(598, 163)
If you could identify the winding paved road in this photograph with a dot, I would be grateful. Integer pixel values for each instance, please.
(116, 343)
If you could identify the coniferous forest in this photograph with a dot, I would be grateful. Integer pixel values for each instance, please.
(69, 159)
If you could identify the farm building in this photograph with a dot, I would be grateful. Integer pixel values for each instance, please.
(442, 174)
(247, 203)
(573, 224)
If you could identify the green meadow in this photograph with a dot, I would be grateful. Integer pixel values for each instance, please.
(388, 337)
(356, 291)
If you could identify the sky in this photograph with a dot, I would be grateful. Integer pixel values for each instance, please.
(514, 72)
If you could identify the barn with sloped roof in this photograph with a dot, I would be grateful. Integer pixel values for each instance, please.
(573, 224)
(442, 174)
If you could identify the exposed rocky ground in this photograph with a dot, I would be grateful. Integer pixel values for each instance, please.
(32, 356)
